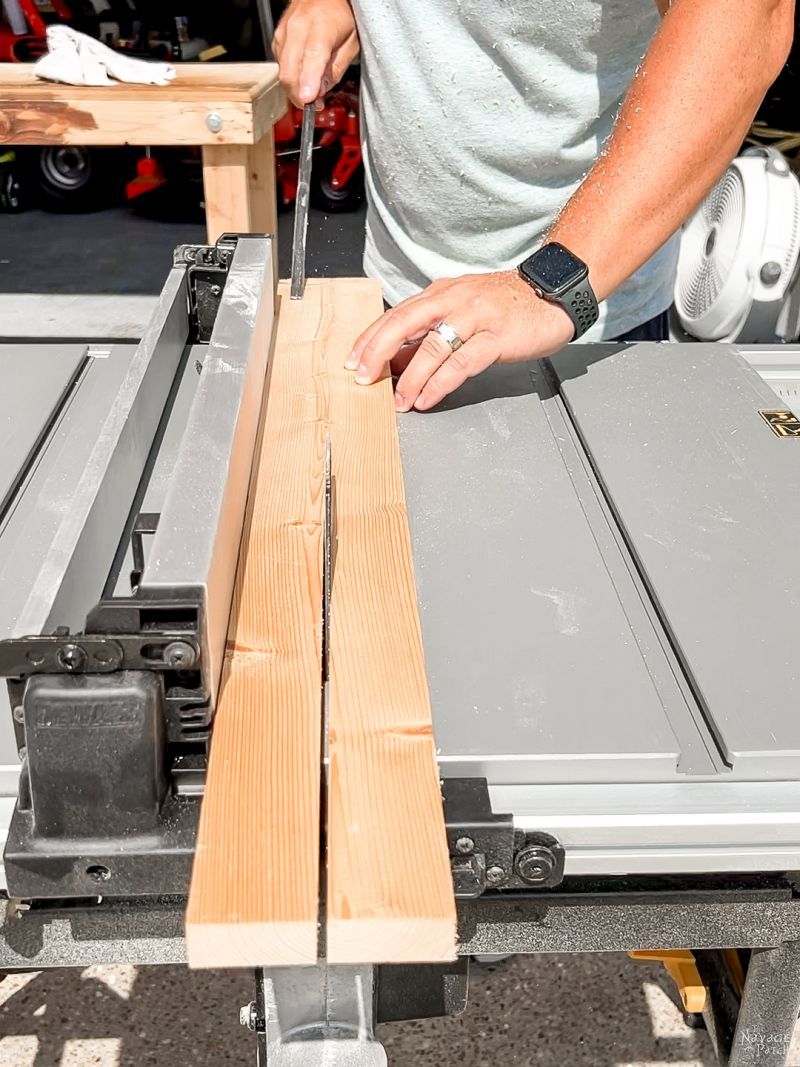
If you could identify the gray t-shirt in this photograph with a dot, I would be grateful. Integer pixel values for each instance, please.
(481, 118)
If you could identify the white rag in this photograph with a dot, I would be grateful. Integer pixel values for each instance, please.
(78, 59)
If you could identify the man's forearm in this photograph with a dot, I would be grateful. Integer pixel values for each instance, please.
(685, 116)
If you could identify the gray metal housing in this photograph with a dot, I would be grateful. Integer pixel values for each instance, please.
(608, 575)
(605, 561)
(97, 434)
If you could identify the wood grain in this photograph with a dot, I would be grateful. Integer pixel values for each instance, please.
(263, 193)
(246, 96)
(241, 81)
(226, 190)
(261, 180)
(254, 893)
(254, 890)
(239, 190)
(389, 886)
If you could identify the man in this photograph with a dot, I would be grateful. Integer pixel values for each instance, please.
(573, 137)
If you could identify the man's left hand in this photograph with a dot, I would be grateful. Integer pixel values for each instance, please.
(498, 317)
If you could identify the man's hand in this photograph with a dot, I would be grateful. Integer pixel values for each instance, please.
(315, 43)
(498, 317)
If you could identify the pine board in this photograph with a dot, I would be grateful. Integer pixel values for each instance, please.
(254, 892)
(254, 895)
(389, 885)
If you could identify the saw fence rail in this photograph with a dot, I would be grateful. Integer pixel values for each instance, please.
(254, 896)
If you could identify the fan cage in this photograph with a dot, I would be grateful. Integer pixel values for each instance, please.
(709, 244)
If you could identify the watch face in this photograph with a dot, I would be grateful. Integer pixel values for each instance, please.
(553, 269)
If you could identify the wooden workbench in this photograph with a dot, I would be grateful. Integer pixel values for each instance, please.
(226, 109)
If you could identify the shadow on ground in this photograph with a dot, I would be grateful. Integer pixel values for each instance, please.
(585, 1011)
(116, 252)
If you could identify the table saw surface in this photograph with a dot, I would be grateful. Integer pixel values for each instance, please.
(608, 578)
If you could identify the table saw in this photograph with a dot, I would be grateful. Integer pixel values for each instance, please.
(608, 576)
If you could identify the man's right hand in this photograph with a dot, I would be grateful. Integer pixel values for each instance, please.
(315, 43)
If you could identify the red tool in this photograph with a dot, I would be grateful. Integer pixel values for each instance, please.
(337, 177)
(149, 176)
(20, 48)
(337, 172)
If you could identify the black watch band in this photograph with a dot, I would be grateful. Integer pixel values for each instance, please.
(559, 277)
(581, 306)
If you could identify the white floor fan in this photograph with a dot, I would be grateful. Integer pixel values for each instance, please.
(739, 265)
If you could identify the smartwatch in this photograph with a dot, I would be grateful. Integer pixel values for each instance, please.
(561, 278)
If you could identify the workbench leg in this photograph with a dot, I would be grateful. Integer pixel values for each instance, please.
(305, 1016)
(227, 189)
(263, 201)
(239, 184)
(770, 1004)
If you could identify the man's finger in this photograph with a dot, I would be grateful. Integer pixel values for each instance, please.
(474, 356)
(343, 57)
(315, 62)
(404, 357)
(363, 339)
(430, 357)
(402, 324)
(435, 288)
(326, 84)
(291, 58)
(354, 359)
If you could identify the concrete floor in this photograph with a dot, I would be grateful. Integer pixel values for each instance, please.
(114, 251)
(585, 1011)
(96, 276)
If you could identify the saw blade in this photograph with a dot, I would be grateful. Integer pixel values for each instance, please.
(327, 580)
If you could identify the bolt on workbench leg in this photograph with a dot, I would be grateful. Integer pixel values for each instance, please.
(769, 1008)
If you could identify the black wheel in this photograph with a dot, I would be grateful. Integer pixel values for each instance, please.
(73, 178)
(694, 1020)
(325, 195)
(12, 193)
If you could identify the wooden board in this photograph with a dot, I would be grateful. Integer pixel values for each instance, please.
(226, 190)
(246, 97)
(389, 885)
(254, 890)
